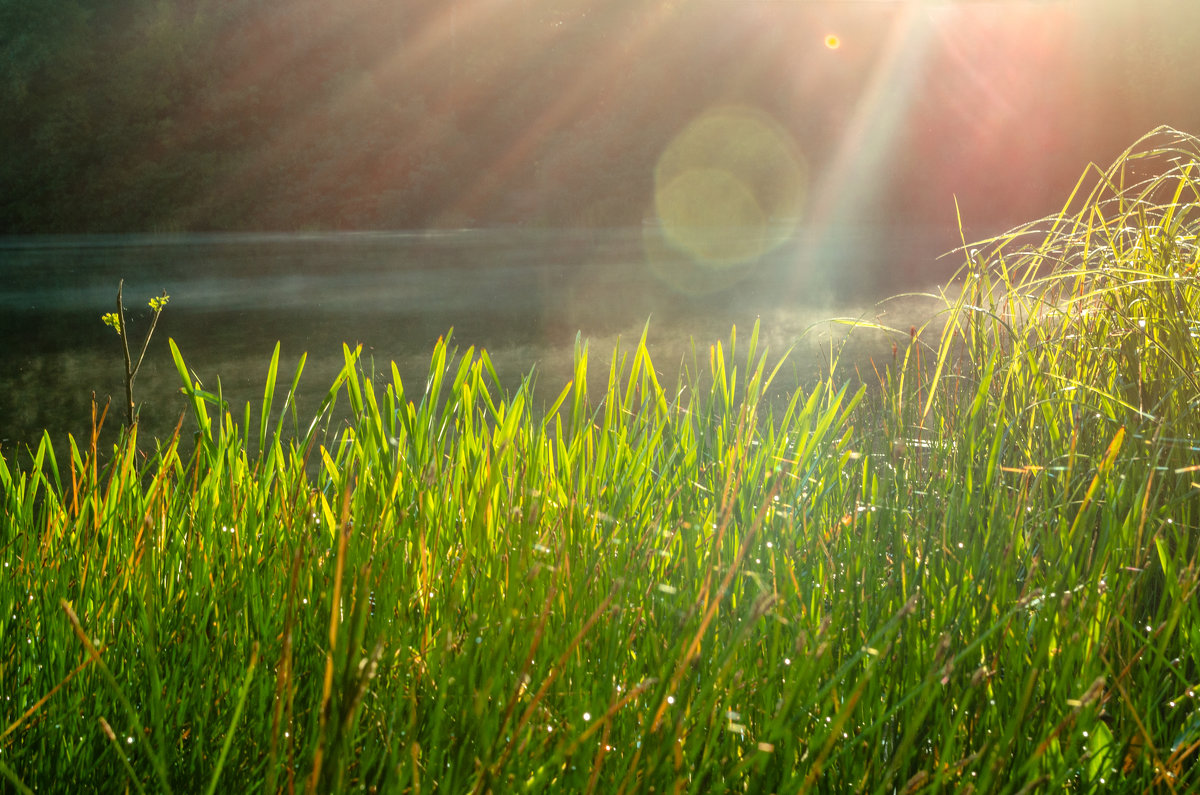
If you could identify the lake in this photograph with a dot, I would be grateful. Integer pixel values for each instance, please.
(523, 294)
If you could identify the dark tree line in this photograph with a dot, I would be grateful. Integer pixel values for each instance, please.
(144, 115)
(229, 114)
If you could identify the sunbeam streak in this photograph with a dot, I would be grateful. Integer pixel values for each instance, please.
(852, 178)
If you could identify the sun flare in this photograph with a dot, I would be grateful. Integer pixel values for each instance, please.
(732, 170)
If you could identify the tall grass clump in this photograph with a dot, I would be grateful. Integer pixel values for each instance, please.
(1039, 463)
(980, 576)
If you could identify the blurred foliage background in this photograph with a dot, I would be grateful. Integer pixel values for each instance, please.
(195, 115)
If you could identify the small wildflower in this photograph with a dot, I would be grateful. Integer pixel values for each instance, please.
(112, 321)
(158, 303)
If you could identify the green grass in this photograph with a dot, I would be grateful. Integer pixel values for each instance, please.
(979, 576)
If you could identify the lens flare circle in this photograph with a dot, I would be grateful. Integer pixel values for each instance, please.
(730, 187)
(833, 41)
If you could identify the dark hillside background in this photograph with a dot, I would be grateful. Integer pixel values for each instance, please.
(197, 115)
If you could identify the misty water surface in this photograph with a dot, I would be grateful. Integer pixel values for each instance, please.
(522, 294)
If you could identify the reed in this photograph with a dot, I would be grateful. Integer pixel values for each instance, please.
(980, 576)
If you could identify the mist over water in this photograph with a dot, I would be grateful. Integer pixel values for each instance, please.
(522, 294)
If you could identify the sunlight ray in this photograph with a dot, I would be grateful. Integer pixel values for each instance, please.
(851, 180)
(617, 57)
